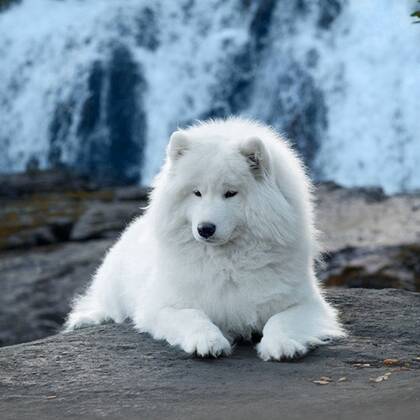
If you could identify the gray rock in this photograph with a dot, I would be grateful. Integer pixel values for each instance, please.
(54, 230)
(53, 217)
(374, 267)
(364, 218)
(111, 371)
(371, 240)
(36, 220)
(38, 181)
(37, 288)
(133, 193)
(41, 235)
(104, 220)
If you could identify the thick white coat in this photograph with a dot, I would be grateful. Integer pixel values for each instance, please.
(255, 274)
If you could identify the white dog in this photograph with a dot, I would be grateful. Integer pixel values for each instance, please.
(226, 248)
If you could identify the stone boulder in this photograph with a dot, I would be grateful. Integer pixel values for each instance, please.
(37, 288)
(371, 240)
(374, 267)
(104, 220)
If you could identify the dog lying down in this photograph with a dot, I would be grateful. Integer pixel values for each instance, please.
(225, 249)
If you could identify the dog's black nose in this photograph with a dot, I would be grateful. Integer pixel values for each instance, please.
(206, 229)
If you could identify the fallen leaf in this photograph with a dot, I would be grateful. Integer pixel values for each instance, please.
(391, 362)
(401, 368)
(320, 382)
(361, 365)
(325, 378)
(381, 378)
(378, 379)
(342, 379)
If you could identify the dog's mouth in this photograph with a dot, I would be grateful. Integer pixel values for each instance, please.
(214, 242)
(210, 241)
(219, 242)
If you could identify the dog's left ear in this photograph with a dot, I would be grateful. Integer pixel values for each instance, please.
(256, 155)
(178, 145)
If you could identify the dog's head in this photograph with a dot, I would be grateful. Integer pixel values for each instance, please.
(209, 184)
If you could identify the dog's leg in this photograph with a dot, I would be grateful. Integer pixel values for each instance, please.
(86, 311)
(293, 332)
(189, 329)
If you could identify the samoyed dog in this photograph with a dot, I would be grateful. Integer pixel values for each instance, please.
(225, 249)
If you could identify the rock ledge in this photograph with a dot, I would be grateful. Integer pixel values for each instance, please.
(111, 371)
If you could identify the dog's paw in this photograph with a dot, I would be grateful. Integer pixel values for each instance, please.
(208, 342)
(280, 348)
(78, 320)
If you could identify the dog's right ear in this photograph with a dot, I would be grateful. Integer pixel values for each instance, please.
(178, 145)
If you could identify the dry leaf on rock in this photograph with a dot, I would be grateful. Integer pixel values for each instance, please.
(361, 365)
(321, 382)
(391, 362)
(381, 378)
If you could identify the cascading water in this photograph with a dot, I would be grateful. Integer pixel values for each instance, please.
(99, 85)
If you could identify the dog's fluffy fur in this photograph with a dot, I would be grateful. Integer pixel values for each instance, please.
(255, 274)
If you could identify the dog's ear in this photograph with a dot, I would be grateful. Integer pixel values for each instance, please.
(256, 155)
(178, 145)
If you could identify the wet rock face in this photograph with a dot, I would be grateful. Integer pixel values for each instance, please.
(125, 117)
(113, 117)
(303, 112)
(148, 32)
(329, 12)
(296, 106)
(233, 91)
(104, 219)
(111, 130)
(4, 4)
(261, 22)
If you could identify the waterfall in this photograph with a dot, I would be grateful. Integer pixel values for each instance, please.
(99, 85)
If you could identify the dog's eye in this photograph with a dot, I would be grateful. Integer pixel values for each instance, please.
(229, 194)
(197, 193)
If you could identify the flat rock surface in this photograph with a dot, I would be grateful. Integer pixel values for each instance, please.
(37, 287)
(110, 371)
(363, 217)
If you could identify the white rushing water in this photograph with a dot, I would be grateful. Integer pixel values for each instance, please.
(354, 82)
(374, 111)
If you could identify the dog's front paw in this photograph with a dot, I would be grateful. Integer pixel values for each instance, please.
(79, 320)
(208, 342)
(280, 348)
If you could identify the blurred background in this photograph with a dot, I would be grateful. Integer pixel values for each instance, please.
(90, 91)
(98, 86)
